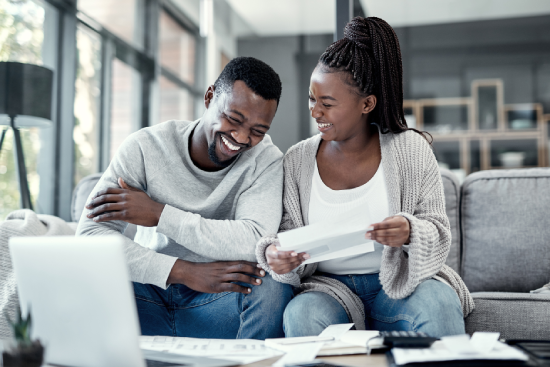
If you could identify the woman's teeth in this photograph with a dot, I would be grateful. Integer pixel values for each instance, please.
(229, 145)
(323, 125)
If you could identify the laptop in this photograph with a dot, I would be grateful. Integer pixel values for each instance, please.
(82, 303)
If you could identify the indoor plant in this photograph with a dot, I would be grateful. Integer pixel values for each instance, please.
(24, 352)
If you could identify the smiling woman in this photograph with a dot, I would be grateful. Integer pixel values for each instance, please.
(366, 160)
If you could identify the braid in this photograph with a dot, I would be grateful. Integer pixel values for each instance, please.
(370, 52)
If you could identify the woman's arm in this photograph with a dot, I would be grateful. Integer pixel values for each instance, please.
(430, 234)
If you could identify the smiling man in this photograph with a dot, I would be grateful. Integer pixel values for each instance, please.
(202, 194)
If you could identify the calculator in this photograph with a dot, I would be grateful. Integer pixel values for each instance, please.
(406, 339)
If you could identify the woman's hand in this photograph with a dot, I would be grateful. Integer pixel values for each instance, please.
(282, 262)
(392, 231)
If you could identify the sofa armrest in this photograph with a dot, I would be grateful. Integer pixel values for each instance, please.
(514, 315)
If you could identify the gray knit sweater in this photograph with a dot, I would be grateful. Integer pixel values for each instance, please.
(415, 191)
(208, 216)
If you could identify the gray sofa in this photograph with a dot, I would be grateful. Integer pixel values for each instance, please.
(501, 233)
(501, 237)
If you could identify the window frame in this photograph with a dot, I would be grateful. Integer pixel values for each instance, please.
(145, 61)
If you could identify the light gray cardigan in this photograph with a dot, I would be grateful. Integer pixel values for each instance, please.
(415, 191)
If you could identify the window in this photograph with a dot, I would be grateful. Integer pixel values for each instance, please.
(87, 103)
(113, 69)
(21, 40)
(177, 52)
(175, 103)
(123, 18)
(125, 107)
(177, 49)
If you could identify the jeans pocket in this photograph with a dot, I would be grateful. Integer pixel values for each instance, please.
(184, 297)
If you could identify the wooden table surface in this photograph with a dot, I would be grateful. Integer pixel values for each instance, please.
(375, 360)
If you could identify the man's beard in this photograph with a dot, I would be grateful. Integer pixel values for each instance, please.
(212, 153)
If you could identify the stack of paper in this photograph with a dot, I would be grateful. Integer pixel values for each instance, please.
(482, 346)
(351, 342)
(243, 351)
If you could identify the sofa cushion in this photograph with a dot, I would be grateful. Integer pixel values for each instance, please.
(81, 193)
(23, 222)
(451, 187)
(513, 315)
(505, 230)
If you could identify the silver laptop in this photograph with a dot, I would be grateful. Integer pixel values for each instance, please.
(82, 303)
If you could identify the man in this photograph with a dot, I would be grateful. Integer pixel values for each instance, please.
(202, 194)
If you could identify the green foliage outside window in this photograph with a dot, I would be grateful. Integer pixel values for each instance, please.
(21, 38)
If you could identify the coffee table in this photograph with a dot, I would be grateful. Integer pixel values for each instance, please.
(374, 360)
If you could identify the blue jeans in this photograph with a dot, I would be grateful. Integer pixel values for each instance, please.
(181, 311)
(433, 308)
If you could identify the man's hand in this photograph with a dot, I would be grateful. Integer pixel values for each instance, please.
(392, 231)
(216, 277)
(128, 204)
(282, 262)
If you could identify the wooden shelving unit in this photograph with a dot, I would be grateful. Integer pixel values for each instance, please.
(476, 133)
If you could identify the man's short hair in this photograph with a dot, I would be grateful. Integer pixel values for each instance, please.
(256, 74)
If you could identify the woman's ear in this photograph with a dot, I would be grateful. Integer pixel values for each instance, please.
(369, 103)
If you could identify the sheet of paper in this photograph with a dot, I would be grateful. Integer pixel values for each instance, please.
(243, 351)
(438, 352)
(484, 342)
(458, 344)
(336, 331)
(330, 240)
(300, 354)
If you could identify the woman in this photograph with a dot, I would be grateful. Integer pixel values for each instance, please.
(367, 161)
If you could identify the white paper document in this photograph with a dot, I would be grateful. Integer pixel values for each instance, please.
(243, 351)
(460, 347)
(336, 331)
(300, 354)
(329, 240)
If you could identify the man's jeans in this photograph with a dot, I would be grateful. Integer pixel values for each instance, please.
(181, 311)
(433, 308)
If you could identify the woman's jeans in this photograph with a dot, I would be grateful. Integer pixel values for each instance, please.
(433, 308)
(181, 311)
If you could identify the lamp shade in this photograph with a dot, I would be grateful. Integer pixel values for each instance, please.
(25, 89)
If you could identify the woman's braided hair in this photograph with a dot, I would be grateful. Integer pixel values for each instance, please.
(370, 52)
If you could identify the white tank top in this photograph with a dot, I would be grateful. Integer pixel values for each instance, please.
(326, 204)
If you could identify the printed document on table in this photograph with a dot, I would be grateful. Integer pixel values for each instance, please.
(243, 351)
(440, 352)
(330, 240)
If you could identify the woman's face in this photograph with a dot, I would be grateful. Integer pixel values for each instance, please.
(339, 111)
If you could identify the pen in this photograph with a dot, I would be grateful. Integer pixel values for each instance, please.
(306, 339)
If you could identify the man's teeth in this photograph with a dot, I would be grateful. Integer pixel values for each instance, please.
(323, 125)
(229, 145)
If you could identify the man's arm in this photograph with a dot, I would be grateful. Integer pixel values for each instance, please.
(145, 265)
(258, 213)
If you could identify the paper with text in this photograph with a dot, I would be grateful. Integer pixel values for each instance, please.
(243, 351)
(329, 240)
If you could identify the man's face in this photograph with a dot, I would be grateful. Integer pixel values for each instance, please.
(236, 121)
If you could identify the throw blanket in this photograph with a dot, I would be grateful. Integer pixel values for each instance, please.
(21, 223)
(415, 192)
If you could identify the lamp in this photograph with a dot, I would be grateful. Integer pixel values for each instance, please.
(25, 93)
